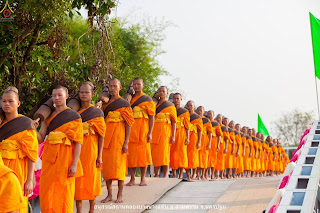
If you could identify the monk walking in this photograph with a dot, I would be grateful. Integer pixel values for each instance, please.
(60, 155)
(178, 153)
(164, 133)
(88, 187)
(205, 145)
(119, 119)
(139, 152)
(195, 140)
(18, 144)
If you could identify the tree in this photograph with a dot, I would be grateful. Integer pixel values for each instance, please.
(49, 44)
(291, 125)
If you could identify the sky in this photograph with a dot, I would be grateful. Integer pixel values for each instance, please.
(238, 58)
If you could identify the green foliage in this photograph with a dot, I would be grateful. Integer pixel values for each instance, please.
(291, 125)
(44, 47)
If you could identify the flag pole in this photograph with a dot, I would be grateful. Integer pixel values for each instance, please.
(315, 78)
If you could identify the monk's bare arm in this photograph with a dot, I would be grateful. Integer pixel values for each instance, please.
(210, 139)
(218, 144)
(244, 150)
(188, 137)
(173, 127)
(73, 167)
(199, 139)
(151, 124)
(226, 149)
(28, 186)
(100, 148)
(233, 147)
(42, 132)
(126, 139)
(250, 151)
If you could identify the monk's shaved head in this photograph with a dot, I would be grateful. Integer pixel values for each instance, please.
(138, 79)
(117, 80)
(61, 87)
(12, 90)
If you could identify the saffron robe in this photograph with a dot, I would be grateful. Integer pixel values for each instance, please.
(193, 153)
(162, 132)
(203, 152)
(139, 152)
(212, 159)
(238, 160)
(11, 193)
(229, 154)
(56, 188)
(88, 186)
(18, 148)
(114, 165)
(247, 158)
(221, 155)
(178, 152)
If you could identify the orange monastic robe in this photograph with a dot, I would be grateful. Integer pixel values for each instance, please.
(271, 165)
(247, 158)
(254, 153)
(56, 188)
(15, 151)
(193, 152)
(276, 162)
(139, 152)
(114, 165)
(221, 155)
(178, 152)
(89, 185)
(162, 132)
(11, 194)
(217, 132)
(230, 152)
(204, 152)
(263, 157)
(258, 145)
(238, 160)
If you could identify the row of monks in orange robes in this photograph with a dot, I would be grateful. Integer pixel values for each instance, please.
(119, 136)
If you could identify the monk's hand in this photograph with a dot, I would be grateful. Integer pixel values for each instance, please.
(149, 137)
(225, 150)
(125, 148)
(72, 170)
(99, 105)
(198, 145)
(209, 146)
(218, 148)
(172, 139)
(250, 155)
(187, 141)
(36, 123)
(99, 162)
(237, 154)
(28, 187)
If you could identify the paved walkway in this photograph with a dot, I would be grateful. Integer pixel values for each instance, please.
(241, 195)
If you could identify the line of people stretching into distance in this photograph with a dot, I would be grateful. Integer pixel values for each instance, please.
(117, 136)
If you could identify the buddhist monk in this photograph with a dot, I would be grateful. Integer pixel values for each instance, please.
(241, 150)
(139, 152)
(18, 143)
(222, 148)
(277, 163)
(205, 144)
(195, 141)
(88, 187)
(248, 152)
(60, 155)
(119, 119)
(270, 156)
(11, 196)
(231, 147)
(238, 142)
(164, 133)
(216, 139)
(178, 152)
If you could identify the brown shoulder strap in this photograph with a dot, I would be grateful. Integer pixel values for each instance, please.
(248, 137)
(194, 116)
(15, 126)
(242, 135)
(116, 104)
(205, 120)
(143, 98)
(163, 106)
(236, 132)
(63, 117)
(224, 129)
(181, 110)
(91, 113)
(215, 124)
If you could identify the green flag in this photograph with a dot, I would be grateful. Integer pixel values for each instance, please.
(261, 127)
(315, 33)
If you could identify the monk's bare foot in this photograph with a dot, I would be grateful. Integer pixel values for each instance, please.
(107, 199)
(222, 177)
(131, 183)
(119, 200)
(143, 183)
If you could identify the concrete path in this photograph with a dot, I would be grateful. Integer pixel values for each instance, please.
(241, 195)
